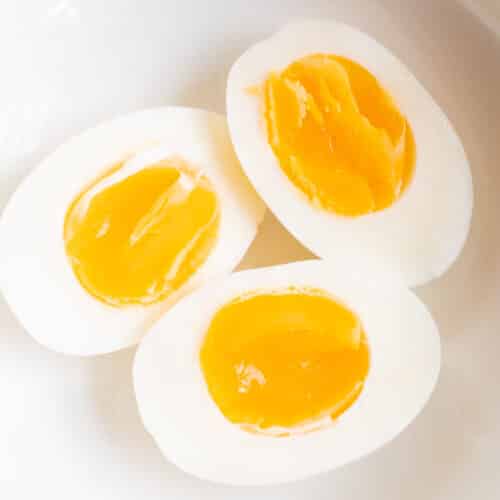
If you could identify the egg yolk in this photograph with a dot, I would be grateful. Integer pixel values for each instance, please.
(338, 135)
(284, 359)
(136, 239)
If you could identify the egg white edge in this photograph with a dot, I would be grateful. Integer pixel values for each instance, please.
(35, 275)
(178, 412)
(419, 236)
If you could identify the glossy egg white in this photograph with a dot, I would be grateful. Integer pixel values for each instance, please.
(191, 432)
(423, 232)
(35, 274)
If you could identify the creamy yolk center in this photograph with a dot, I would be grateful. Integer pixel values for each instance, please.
(338, 135)
(134, 239)
(284, 359)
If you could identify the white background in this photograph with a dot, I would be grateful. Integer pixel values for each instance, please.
(68, 426)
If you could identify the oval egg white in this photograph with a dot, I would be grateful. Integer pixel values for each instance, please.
(422, 233)
(36, 277)
(188, 427)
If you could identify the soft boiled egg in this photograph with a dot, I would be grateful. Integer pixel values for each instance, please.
(275, 374)
(119, 223)
(349, 151)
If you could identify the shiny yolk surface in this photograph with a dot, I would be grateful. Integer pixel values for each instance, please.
(284, 359)
(338, 135)
(137, 239)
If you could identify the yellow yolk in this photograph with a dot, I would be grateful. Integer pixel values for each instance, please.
(283, 359)
(338, 135)
(140, 238)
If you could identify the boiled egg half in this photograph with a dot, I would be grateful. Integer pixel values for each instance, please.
(349, 151)
(275, 374)
(119, 223)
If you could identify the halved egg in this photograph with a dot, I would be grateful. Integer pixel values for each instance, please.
(275, 374)
(349, 151)
(119, 223)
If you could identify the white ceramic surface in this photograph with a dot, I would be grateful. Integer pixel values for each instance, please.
(69, 427)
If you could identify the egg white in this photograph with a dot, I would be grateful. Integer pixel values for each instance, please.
(35, 274)
(423, 232)
(188, 427)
